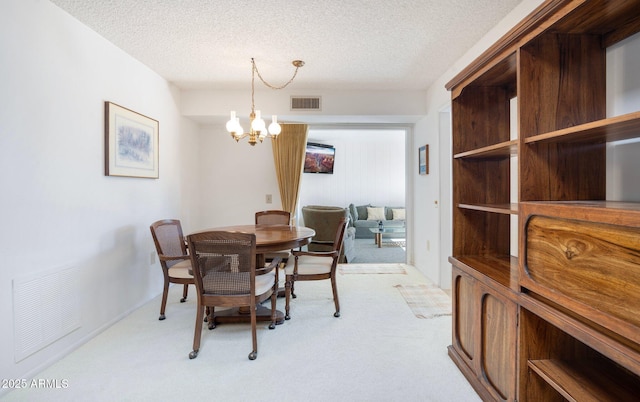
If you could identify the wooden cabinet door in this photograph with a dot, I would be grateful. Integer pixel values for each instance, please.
(465, 316)
(484, 337)
(497, 344)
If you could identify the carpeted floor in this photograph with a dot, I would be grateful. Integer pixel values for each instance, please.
(392, 268)
(392, 251)
(376, 351)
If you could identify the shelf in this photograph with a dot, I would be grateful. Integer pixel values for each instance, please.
(508, 209)
(583, 381)
(611, 212)
(501, 269)
(614, 20)
(606, 130)
(502, 150)
(583, 330)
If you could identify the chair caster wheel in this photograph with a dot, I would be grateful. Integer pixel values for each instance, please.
(293, 296)
(336, 314)
(253, 355)
(272, 326)
(287, 317)
(162, 317)
(193, 354)
(183, 300)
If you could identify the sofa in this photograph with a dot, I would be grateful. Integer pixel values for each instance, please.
(364, 217)
(324, 220)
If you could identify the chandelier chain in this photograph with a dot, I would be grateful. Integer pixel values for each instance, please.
(255, 68)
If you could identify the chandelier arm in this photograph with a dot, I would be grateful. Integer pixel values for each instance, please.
(273, 86)
(257, 128)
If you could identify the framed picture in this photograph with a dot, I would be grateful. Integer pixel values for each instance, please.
(130, 143)
(423, 159)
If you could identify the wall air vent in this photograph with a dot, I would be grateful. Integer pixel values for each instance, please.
(305, 103)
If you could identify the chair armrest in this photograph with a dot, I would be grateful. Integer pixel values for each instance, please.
(316, 253)
(268, 268)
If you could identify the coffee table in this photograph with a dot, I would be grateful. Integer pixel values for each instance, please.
(378, 232)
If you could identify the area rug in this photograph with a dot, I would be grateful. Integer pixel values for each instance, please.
(392, 251)
(372, 269)
(426, 300)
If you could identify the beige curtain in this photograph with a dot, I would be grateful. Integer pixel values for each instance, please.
(288, 157)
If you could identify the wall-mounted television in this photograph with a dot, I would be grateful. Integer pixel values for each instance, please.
(319, 158)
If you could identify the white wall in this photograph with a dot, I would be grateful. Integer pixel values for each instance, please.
(369, 169)
(234, 179)
(58, 208)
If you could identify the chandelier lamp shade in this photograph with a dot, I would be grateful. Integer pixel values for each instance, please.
(258, 129)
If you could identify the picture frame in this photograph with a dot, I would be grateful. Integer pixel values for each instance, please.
(423, 160)
(131, 143)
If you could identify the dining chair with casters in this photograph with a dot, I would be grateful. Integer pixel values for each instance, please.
(174, 259)
(274, 217)
(226, 275)
(313, 266)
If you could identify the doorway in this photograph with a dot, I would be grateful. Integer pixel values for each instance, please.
(369, 169)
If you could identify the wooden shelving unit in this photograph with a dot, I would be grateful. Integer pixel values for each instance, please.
(559, 321)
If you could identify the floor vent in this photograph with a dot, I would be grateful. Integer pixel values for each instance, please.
(305, 103)
(45, 308)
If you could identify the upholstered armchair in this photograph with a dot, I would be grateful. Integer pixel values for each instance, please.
(325, 220)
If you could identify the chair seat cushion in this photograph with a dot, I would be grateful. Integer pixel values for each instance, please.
(308, 265)
(285, 254)
(225, 283)
(181, 270)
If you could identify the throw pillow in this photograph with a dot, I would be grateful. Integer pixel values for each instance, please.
(398, 214)
(375, 214)
(362, 212)
(354, 212)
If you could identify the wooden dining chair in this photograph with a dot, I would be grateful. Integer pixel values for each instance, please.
(174, 259)
(275, 217)
(226, 276)
(313, 266)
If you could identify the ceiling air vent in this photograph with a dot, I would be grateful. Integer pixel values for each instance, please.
(305, 103)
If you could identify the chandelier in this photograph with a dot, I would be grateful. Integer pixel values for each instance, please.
(257, 127)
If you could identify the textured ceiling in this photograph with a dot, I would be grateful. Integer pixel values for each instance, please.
(346, 44)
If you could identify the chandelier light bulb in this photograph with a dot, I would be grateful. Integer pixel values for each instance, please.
(274, 127)
(238, 128)
(258, 124)
(231, 124)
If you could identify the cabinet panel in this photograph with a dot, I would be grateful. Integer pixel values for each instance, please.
(589, 261)
(562, 82)
(484, 336)
(465, 315)
(498, 340)
(483, 118)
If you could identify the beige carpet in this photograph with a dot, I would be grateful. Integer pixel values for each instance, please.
(426, 300)
(372, 269)
(376, 351)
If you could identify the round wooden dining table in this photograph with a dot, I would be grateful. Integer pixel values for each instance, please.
(269, 238)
